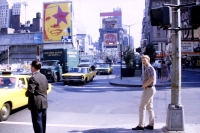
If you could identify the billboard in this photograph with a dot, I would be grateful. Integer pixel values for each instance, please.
(110, 39)
(57, 22)
(37, 38)
(109, 23)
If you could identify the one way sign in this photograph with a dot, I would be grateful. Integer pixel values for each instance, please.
(66, 39)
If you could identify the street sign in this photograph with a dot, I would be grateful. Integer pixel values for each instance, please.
(66, 39)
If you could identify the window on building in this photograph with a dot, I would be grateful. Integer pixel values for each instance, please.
(156, 47)
(158, 34)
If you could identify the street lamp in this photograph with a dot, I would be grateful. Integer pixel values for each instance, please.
(130, 30)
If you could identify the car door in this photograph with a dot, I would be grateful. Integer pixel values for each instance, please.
(22, 86)
(89, 73)
(15, 94)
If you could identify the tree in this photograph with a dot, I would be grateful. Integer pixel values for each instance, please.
(128, 57)
(151, 52)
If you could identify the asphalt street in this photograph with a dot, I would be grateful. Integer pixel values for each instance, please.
(96, 105)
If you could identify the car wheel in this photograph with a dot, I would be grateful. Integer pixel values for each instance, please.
(59, 77)
(65, 83)
(5, 112)
(87, 79)
(84, 82)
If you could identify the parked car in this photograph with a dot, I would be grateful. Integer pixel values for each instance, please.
(104, 68)
(12, 93)
(79, 75)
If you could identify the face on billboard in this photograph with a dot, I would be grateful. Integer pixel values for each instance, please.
(57, 17)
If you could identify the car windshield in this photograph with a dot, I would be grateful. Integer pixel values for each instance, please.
(78, 70)
(85, 61)
(49, 63)
(7, 82)
(104, 65)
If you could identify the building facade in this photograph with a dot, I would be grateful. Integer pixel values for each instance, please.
(119, 18)
(20, 9)
(4, 14)
(111, 33)
(162, 39)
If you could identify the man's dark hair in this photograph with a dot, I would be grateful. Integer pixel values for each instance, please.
(36, 64)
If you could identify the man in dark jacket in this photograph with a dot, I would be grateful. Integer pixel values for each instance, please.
(37, 97)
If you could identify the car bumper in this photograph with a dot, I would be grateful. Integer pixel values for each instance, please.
(102, 71)
(73, 80)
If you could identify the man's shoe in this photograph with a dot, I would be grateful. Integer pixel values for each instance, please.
(138, 128)
(149, 127)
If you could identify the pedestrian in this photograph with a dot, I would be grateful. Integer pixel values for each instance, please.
(193, 64)
(159, 69)
(148, 93)
(37, 97)
(164, 72)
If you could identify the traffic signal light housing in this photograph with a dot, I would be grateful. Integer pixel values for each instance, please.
(194, 16)
(161, 16)
(138, 50)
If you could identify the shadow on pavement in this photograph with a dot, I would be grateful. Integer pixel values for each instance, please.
(115, 130)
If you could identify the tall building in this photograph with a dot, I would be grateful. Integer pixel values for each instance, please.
(117, 14)
(20, 9)
(4, 14)
(119, 18)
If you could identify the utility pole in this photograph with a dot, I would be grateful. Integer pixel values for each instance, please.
(175, 114)
(129, 35)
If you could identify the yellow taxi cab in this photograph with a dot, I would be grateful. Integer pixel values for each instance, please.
(12, 93)
(104, 68)
(79, 74)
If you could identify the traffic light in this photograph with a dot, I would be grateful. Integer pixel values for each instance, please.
(194, 16)
(138, 50)
(161, 16)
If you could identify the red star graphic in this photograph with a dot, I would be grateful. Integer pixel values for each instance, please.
(61, 16)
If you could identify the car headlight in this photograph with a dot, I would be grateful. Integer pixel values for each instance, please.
(82, 77)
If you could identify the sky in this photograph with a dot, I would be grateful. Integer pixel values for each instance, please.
(87, 11)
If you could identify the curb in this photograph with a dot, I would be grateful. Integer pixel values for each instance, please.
(136, 85)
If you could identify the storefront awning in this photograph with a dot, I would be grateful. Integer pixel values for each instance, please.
(191, 53)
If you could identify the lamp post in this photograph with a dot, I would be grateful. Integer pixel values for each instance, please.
(129, 26)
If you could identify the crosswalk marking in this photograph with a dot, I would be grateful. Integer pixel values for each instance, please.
(51, 125)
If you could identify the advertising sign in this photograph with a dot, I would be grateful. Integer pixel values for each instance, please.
(109, 23)
(37, 38)
(110, 38)
(186, 47)
(57, 22)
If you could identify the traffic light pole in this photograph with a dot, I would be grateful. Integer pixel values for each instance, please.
(175, 114)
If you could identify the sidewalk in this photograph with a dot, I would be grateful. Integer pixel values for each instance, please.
(135, 82)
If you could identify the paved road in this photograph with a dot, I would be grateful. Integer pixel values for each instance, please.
(98, 104)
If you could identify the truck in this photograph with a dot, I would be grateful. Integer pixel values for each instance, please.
(58, 61)
(86, 61)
